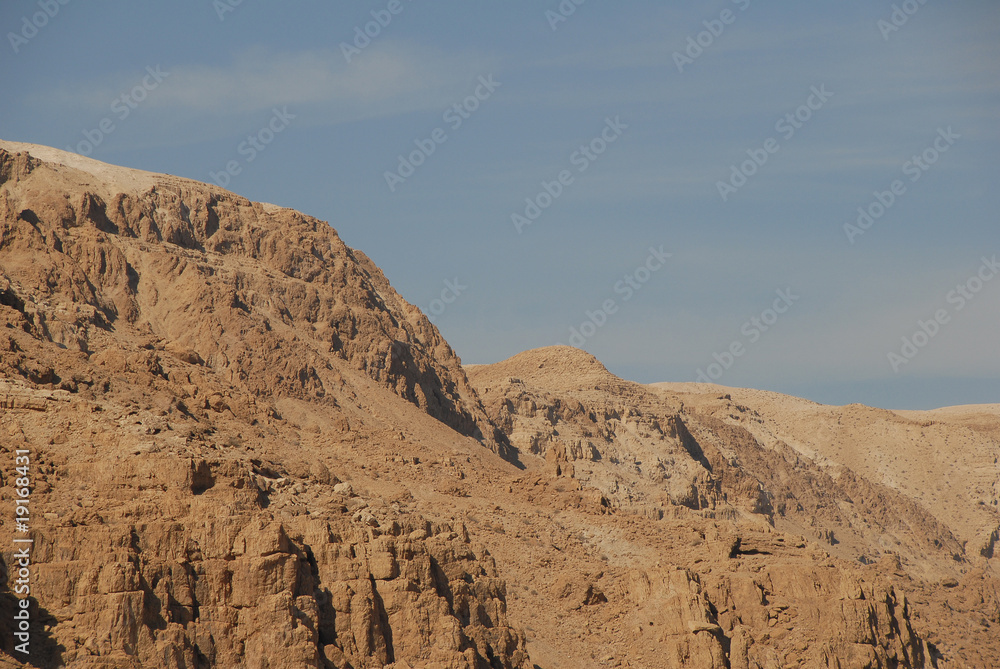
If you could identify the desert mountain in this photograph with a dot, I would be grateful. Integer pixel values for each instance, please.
(944, 460)
(272, 297)
(247, 450)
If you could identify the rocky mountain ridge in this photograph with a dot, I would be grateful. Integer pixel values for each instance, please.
(249, 450)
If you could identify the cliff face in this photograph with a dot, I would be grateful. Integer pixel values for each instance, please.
(268, 299)
(776, 517)
(648, 451)
(248, 450)
(151, 556)
(157, 334)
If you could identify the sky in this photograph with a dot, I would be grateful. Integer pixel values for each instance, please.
(793, 196)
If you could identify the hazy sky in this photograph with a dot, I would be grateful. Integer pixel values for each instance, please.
(655, 175)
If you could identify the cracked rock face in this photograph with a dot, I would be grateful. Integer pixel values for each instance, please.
(148, 328)
(247, 450)
(756, 585)
(269, 298)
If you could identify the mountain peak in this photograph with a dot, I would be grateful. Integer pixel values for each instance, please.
(268, 296)
(551, 366)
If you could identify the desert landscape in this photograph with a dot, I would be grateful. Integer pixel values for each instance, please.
(243, 448)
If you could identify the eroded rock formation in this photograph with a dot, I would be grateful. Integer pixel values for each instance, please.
(247, 450)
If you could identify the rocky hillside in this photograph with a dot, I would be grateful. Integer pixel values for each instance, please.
(160, 338)
(270, 300)
(944, 460)
(248, 450)
(690, 451)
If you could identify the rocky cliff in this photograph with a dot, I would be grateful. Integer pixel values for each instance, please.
(247, 450)
(157, 332)
(687, 458)
(268, 299)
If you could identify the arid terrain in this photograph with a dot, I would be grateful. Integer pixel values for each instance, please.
(247, 450)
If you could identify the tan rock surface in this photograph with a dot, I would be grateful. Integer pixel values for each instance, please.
(945, 460)
(249, 451)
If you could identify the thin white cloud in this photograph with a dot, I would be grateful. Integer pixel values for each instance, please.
(385, 78)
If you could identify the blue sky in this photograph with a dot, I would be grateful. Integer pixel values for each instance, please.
(893, 80)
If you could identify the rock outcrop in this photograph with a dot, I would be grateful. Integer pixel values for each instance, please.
(155, 332)
(153, 558)
(247, 450)
(770, 517)
(267, 298)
